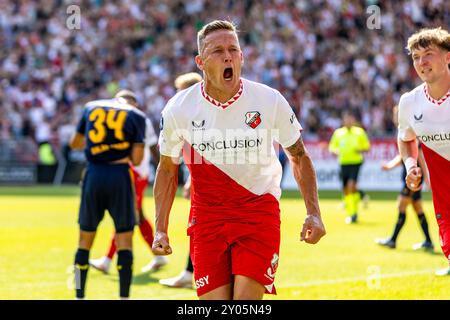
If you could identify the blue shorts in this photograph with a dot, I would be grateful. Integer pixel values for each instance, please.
(107, 187)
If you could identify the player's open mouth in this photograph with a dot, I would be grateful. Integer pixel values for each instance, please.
(228, 73)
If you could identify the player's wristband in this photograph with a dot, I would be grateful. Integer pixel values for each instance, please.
(410, 163)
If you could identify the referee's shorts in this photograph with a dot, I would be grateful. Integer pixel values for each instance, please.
(349, 172)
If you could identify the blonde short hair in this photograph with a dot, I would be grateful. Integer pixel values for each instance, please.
(211, 27)
(427, 37)
(186, 80)
(127, 95)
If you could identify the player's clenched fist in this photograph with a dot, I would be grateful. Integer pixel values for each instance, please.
(413, 178)
(161, 245)
(313, 229)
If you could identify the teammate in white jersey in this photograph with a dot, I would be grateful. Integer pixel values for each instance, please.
(226, 126)
(425, 113)
(140, 180)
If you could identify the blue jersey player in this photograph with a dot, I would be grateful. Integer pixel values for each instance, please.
(112, 133)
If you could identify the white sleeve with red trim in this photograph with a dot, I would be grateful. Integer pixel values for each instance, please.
(286, 123)
(405, 131)
(170, 138)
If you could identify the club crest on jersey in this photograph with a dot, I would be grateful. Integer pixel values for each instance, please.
(253, 119)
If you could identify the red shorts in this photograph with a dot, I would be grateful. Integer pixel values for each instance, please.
(221, 250)
(443, 221)
(140, 183)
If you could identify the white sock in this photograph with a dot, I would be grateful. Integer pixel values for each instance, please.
(160, 258)
(106, 261)
(186, 274)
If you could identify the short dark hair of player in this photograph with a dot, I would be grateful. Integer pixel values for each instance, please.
(211, 27)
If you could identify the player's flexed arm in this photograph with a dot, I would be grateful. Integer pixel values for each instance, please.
(166, 183)
(305, 175)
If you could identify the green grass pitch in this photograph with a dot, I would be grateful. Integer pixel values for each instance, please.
(39, 234)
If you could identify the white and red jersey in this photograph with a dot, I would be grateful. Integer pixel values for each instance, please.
(429, 120)
(143, 169)
(229, 147)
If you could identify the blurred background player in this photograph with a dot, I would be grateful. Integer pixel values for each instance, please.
(185, 278)
(140, 179)
(112, 133)
(405, 198)
(424, 114)
(348, 143)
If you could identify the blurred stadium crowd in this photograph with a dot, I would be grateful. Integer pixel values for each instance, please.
(319, 53)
